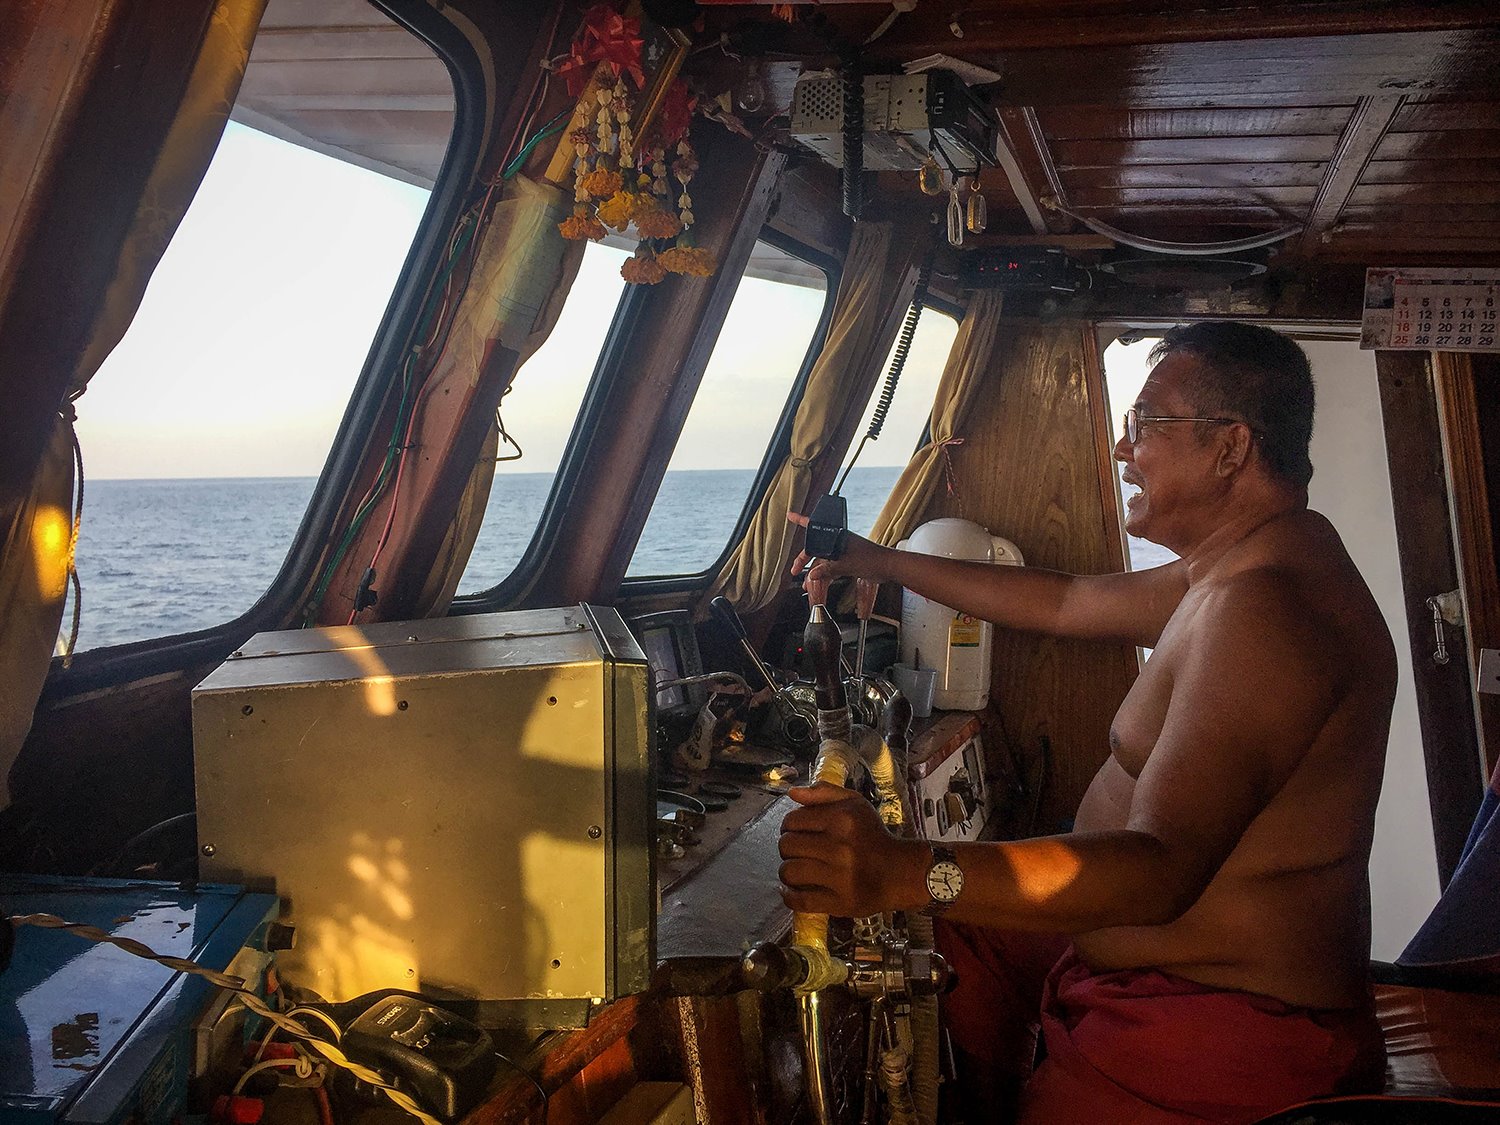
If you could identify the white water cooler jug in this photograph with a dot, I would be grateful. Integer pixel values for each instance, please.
(957, 645)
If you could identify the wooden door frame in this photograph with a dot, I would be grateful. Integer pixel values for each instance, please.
(1432, 562)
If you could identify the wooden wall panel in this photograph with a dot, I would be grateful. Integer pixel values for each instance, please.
(1031, 468)
(1424, 540)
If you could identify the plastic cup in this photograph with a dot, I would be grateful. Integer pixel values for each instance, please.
(918, 685)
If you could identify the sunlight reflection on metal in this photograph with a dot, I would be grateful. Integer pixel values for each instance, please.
(379, 684)
(51, 538)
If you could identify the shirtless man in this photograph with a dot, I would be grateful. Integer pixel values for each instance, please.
(1215, 884)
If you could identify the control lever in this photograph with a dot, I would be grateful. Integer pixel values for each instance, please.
(865, 590)
(797, 727)
(730, 618)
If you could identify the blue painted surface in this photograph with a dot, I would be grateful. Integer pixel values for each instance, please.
(91, 1034)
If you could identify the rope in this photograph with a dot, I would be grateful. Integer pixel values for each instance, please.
(234, 984)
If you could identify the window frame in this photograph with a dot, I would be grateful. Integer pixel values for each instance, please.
(294, 579)
(780, 445)
(509, 591)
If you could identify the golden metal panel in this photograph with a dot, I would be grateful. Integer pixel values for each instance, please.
(435, 811)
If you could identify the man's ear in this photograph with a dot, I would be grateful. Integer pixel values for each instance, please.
(1234, 449)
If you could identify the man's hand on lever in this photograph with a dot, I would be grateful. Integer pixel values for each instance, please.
(838, 858)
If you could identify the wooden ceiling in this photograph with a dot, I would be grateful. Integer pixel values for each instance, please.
(1373, 129)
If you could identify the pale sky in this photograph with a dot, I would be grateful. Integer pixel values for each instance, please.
(257, 321)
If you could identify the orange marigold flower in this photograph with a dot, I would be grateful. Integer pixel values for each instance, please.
(654, 221)
(693, 261)
(601, 182)
(618, 209)
(643, 269)
(581, 225)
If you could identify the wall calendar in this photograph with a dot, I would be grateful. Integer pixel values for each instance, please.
(1443, 310)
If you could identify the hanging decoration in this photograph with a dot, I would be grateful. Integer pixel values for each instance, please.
(623, 180)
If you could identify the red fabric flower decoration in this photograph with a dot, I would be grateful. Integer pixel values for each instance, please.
(675, 114)
(610, 37)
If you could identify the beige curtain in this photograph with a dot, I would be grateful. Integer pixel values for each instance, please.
(522, 278)
(37, 557)
(963, 374)
(875, 279)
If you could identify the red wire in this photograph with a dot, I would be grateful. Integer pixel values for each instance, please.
(325, 1111)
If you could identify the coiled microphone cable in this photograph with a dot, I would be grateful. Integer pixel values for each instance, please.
(898, 364)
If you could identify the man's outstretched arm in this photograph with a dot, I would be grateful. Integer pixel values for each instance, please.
(1131, 606)
(1222, 755)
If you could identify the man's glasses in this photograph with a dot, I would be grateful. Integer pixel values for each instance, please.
(1134, 418)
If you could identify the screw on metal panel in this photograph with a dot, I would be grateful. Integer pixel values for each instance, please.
(595, 832)
(209, 849)
(247, 710)
(235, 653)
(412, 637)
(402, 705)
(552, 701)
(556, 964)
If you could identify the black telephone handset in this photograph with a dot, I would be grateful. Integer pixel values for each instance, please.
(443, 1061)
(828, 528)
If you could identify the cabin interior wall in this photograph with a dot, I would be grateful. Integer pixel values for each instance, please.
(1351, 486)
(1028, 470)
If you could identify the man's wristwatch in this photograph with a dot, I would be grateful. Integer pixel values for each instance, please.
(945, 880)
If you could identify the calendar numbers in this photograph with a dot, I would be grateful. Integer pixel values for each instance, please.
(1432, 310)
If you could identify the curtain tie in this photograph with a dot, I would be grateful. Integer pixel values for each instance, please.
(949, 478)
(801, 462)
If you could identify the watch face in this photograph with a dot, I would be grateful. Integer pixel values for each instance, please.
(945, 880)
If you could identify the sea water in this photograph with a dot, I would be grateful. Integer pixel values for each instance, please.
(158, 557)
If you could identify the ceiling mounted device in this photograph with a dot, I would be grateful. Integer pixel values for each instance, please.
(910, 120)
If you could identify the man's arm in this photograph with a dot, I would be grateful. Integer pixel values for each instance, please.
(1250, 698)
(1131, 606)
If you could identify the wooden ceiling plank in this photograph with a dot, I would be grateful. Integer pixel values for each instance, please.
(1110, 122)
(1451, 144)
(1272, 198)
(1024, 157)
(1483, 170)
(1368, 124)
(1193, 150)
(359, 127)
(374, 101)
(289, 44)
(407, 76)
(1438, 116)
(1427, 195)
(1299, 174)
(1005, 27)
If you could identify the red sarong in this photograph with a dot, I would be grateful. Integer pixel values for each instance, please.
(1144, 1047)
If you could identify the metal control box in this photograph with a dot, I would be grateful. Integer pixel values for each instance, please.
(458, 806)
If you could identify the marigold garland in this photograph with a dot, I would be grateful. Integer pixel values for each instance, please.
(618, 209)
(642, 269)
(691, 261)
(602, 183)
(621, 179)
(581, 225)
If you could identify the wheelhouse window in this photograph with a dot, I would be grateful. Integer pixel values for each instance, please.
(204, 430)
(905, 429)
(763, 347)
(1126, 365)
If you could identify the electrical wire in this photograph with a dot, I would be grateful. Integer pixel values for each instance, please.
(535, 1081)
(322, 1017)
(330, 1051)
(301, 1064)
